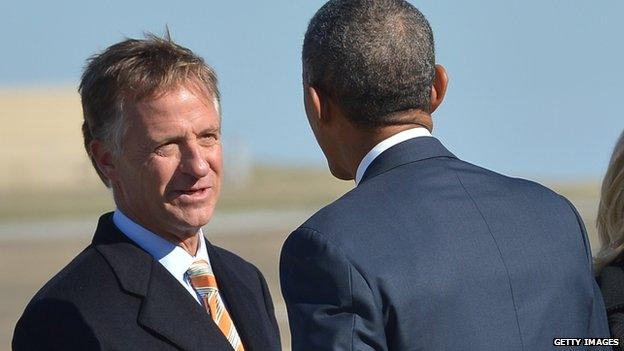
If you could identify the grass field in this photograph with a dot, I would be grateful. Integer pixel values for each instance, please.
(272, 188)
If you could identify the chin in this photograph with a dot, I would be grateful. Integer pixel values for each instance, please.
(199, 218)
(193, 218)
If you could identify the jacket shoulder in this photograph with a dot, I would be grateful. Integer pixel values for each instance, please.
(85, 272)
(56, 314)
(420, 186)
(468, 171)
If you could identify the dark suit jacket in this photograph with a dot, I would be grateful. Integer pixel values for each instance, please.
(611, 281)
(432, 253)
(115, 296)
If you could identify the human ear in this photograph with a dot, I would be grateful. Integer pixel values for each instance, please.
(438, 88)
(103, 158)
(319, 106)
(312, 103)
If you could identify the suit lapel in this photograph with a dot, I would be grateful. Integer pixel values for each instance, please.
(240, 301)
(412, 150)
(167, 308)
(170, 311)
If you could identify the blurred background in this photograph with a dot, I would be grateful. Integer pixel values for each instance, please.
(535, 92)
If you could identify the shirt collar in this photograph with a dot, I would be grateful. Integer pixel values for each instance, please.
(385, 145)
(174, 258)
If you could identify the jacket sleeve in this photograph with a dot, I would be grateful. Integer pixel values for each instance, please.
(52, 324)
(330, 304)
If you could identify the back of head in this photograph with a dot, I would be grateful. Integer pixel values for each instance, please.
(610, 220)
(129, 71)
(375, 58)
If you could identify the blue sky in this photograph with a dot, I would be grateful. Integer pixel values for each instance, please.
(536, 86)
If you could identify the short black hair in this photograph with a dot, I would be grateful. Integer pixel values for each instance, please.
(375, 58)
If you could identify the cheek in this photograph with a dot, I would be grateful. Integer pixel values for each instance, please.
(159, 173)
(215, 160)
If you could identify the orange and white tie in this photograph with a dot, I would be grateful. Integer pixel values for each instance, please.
(203, 281)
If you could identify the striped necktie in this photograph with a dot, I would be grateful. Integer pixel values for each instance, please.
(203, 281)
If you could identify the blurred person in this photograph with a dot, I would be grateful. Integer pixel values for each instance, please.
(610, 259)
(150, 280)
(427, 252)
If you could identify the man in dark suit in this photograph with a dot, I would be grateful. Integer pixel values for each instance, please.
(427, 252)
(150, 280)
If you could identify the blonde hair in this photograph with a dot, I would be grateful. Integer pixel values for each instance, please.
(610, 221)
(131, 70)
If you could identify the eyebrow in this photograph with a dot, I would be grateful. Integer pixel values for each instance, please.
(211, 130)
(166, 140)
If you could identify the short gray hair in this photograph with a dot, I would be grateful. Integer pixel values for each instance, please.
(129, 71)
(374, 57)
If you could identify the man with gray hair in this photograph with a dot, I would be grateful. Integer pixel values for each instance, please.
(150, 280)
(427, 252)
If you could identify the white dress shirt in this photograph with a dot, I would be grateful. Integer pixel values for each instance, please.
(174, 258)
(385, 145)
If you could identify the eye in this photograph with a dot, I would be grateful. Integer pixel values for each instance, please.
(208, 139)
(165, 149)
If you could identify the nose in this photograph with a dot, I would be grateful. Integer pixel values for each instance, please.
(193, 162)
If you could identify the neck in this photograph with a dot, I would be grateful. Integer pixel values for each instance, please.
(187, 239)
(190, 245)
(365, 139)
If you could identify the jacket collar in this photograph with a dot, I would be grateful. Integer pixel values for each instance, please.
(167, 308)
(412, 150)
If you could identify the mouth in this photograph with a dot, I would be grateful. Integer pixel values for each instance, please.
(193, 194)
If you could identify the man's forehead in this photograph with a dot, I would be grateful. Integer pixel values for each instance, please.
(184, 91)
(178, 108)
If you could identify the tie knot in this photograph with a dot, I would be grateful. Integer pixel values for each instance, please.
(201, 277)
